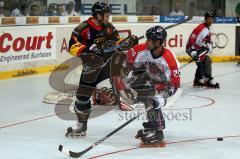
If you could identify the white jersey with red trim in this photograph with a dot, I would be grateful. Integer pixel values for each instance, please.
(164, 68)
(119, 81)
(199, 36)
(167, 62)
(133, 52)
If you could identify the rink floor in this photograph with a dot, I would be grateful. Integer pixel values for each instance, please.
(31, 129)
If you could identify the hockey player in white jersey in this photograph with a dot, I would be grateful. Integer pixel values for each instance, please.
(198, 46)
(157, 72)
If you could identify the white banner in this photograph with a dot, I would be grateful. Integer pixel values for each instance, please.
(27, 44)
(223, 36)
(14, 38)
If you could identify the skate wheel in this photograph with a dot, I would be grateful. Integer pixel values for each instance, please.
(75, 136)
(161, 144)
(83, 133)
(198, 86)
(136, 137)
(71, 135)
(69, 130)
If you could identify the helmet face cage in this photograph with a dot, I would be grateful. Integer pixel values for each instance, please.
(100, 8)
(157, 33)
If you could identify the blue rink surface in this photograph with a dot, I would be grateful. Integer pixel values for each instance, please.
(29, 128)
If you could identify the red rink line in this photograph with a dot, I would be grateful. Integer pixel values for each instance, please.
(27, 121)
(174, 142)
(167, 143)
(220, 75)
(202, 106)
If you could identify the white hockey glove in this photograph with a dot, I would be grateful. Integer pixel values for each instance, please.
(208, 46)
(194, 55)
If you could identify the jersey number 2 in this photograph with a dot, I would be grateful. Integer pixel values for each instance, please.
(176, 73)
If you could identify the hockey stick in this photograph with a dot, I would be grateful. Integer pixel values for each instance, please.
(79, 154)
(201, 54)
(186, 64)
(141, 37)
(116, 47)
(91, 69)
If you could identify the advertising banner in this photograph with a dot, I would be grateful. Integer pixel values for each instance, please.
(34, 50)
(225, 20)
(27, 45)
(171, 19)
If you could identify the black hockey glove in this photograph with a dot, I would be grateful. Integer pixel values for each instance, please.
(128, 43)
(133, 40)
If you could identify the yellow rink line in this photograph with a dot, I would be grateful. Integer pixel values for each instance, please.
(29, 71)
(215, 59)
(49, 68)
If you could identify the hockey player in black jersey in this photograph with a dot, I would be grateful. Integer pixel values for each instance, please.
(87, 42)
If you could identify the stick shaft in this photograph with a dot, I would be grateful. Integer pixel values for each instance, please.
(78, 154)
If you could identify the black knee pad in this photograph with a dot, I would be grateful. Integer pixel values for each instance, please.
(83, 103)
(208, 61)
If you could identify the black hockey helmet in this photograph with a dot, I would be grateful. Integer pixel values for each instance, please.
(209, 14)
(100, 8)
(157, 33)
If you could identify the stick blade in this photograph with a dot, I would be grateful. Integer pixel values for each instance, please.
(75, 154)
(70, 153)
(63, 150)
